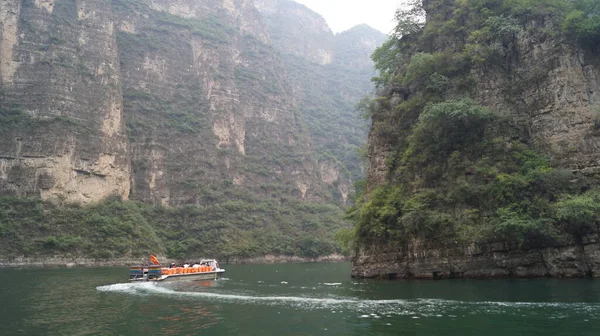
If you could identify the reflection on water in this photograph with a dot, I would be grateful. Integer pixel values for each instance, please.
(300, 299)
(191, 318)
(191, 286)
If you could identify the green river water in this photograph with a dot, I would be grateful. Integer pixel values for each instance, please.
(291, 299)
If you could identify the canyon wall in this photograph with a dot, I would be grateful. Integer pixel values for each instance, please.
(330, 73)
(177, 124)
(63, 124)
(543, 84)
(177, 102)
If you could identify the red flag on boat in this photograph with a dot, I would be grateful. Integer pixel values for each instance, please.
(154, 260)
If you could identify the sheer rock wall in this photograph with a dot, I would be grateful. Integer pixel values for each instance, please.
(552, 87)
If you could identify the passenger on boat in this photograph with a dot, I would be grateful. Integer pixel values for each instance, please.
(172, 265)
(196, 265)
(186, 265)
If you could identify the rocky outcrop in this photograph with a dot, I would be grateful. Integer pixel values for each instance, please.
(171, 102)
(551, 86)
(165, 102)
(554, 87)
(223, 115)
(62, 106)
(420, 260)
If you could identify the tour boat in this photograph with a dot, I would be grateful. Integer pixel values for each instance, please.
(208, 269)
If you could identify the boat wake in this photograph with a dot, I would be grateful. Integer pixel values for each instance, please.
(373, 308)
(152, 288)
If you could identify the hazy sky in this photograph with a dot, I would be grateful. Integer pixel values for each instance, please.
(344, 14)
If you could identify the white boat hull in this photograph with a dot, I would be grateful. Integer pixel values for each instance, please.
(214, 275)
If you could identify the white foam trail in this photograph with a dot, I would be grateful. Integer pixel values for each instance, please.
(332, 283)
(412, 307)
(155, 288)
(127, 288)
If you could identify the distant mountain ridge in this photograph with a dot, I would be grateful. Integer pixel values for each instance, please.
(330, 73)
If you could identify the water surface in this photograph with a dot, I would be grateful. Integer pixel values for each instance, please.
(291, 299)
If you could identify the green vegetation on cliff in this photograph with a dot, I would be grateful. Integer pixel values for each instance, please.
(15, 118)
(462, 34)
(31, 228)
(465, 175)
(116, 229)
(458, 172)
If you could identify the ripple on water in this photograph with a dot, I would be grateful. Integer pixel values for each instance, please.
(414, 308)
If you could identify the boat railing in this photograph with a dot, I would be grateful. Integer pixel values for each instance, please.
(148, 272)
(185, 270)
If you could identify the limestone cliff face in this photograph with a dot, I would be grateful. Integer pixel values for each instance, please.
(549, 85)
(63, 128)
(330, 74)
(179, 101)
(420, 260)
(555, 87)
(222, 114)
(168, 102)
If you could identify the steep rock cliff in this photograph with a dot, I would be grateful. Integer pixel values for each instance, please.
(330, 74)
(420, 260)
(206, 104)
(555, 87)
(190, 108)
(222, 116)
(62, 109)
(548, 89)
